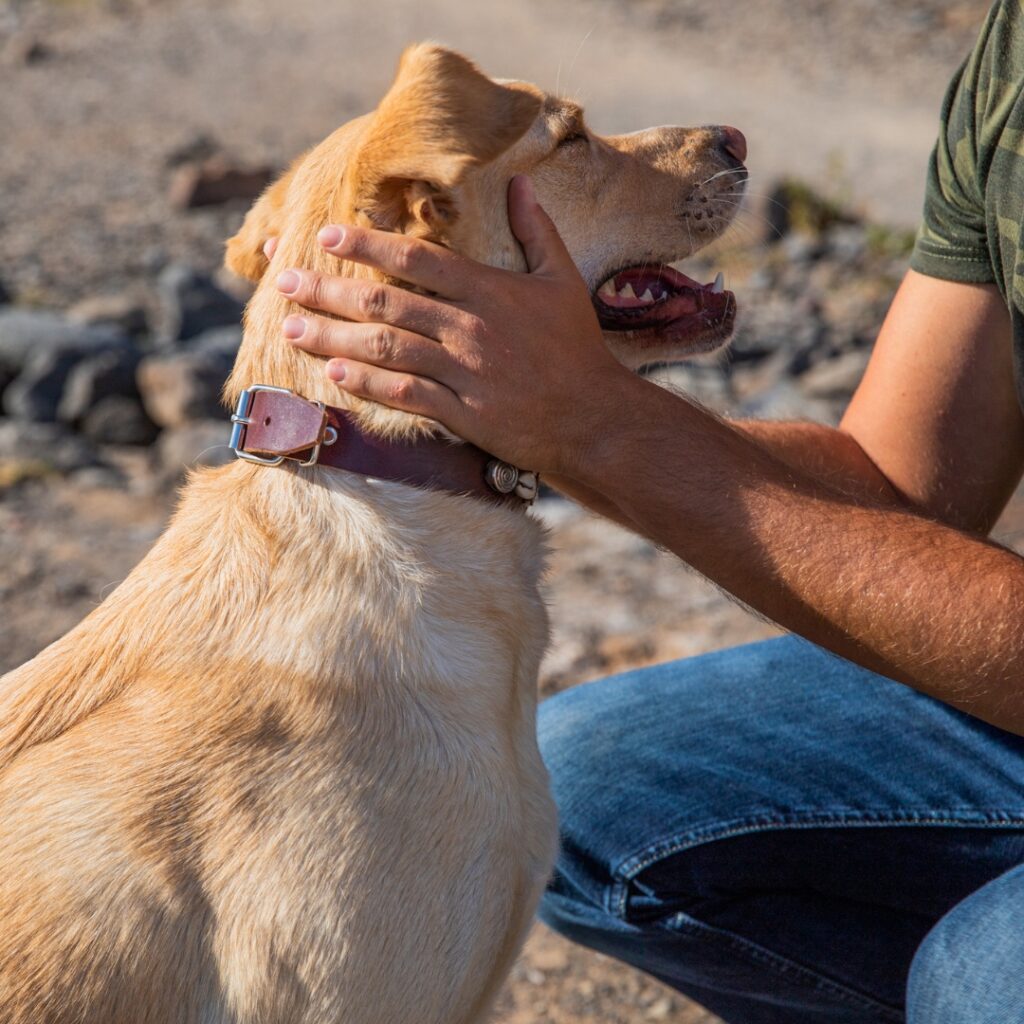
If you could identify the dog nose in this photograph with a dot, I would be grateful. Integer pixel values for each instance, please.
(734, 142)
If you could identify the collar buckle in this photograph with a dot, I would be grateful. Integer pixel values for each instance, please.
(241, 419)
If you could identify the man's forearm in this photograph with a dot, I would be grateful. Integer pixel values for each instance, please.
(901, 594)
(822, 452)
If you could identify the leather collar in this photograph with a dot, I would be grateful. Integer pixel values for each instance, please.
(273, 424)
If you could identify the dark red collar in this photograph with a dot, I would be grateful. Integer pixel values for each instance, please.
(273, 424)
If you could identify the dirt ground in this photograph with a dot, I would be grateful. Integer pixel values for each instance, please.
(844, 94)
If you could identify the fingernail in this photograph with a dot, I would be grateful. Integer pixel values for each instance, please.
(294, 327)
(288, 282)
(330, 236)
(336, 371)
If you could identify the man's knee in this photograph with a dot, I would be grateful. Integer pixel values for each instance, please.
(968, 969)
(632, 758)
(580, 754)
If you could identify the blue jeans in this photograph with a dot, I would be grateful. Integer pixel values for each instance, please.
(789, 839)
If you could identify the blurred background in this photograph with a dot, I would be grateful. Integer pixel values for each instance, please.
(134, 135)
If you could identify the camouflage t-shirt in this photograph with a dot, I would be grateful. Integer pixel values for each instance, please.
(973, 228)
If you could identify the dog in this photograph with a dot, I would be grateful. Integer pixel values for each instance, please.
(287, 772)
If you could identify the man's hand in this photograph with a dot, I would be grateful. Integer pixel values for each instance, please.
(512, 362)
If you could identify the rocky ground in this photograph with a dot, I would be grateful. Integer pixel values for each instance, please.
(116, 330)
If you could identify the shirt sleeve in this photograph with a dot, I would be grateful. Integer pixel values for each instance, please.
(952, 242)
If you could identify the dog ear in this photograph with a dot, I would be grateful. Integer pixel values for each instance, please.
(243, 254)
(441, 117)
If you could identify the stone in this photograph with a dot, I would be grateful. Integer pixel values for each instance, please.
(703, 383)
(222, 341)
(25, 333)
(49, 444)
(214, 181)
(106, 478)
(18, 471)
(198, 147)
(36, 392)
(24, 48)
(183, 386)
(108, 374)
(786, 401)
(836, 379)
(190, 303)
(800, 248)
(203, 443)
(119, 419)
(776, 213)
(123, 310)
(847, 243)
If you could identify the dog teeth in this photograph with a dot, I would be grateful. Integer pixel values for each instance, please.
(608, 288)
(647, 296)
(719, 284)
(627, 292)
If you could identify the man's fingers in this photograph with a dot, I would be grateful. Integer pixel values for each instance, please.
(381, 345)
(403, 391)
(270, 247)
(542, 245)
(429, 266)
(371, 302)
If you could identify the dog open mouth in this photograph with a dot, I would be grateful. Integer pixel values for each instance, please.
(662, 304)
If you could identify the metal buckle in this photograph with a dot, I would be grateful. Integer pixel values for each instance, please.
(240, 420)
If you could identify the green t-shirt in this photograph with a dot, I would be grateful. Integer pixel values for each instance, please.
(973, 228)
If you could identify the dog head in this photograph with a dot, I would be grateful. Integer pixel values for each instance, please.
(435, 159)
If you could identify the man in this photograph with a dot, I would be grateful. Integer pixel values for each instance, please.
(781, 834)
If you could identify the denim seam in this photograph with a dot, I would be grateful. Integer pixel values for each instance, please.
(667, 846)
(781, 965)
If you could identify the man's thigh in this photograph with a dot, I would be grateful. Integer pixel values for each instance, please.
(785, 797)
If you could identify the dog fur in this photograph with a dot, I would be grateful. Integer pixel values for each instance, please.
(287, 772)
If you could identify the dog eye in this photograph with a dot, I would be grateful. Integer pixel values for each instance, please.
(578, 135)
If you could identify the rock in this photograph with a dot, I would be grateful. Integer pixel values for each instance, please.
(778, 221)
(25, 333)
(5, 295)
(199, 147)
(774, 324)
(846, 243)
(107, 478)
(108, 374)
(215, 181)
(49, 444)
(124, 311)
(661, 1009)
(18, 471)
(24, 48)
(191, 303)
(704, 383)
(204, 443)
(836, 379)
(36, 392)
(119, 419)
(183, 386)
(800, 248)
(786, 401)
(221, 341)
